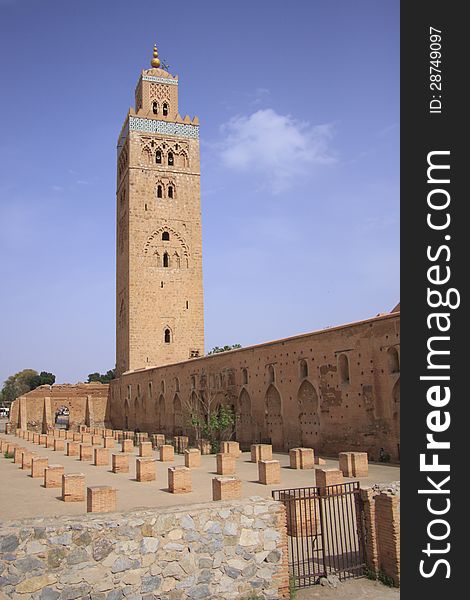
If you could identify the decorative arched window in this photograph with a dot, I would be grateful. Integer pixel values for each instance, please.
(159, 191)
(166, 260)
(165, 236)
(177, 384)
(303, 369)
(155, 108)
(167, 336)
(343, 368)
(244, 376)
(170, 191)
(162, 386)
(158, 157)
(271, 374)
(193, 382)
(150, 389)
(171, 160)
(393, 360)
(165, 109)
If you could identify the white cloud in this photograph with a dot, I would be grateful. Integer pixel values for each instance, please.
(278, 148)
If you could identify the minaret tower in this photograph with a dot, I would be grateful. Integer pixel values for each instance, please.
(159, 295)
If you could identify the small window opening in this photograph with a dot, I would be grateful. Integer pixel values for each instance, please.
(161, 283)
(170, 191)
(167, 336)
(145, 207)
(158, 157)
(187, 304)
(166, 260)
(159, 191)
(165, 236)
(155, 108)
(170, 159)
(165, 109)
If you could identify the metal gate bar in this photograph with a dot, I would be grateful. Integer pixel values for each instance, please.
(324, 532)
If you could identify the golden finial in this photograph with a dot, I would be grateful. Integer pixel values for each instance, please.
(155, 62)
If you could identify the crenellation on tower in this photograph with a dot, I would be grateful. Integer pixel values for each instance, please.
(159, 296)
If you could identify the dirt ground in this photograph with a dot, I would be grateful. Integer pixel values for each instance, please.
(354, 589)
(22, 497)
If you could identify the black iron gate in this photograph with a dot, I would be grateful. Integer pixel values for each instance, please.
(324, 532)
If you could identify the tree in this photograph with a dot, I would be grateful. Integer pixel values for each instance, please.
(22, 382)
(43, 378)
(209, 419)
(218, 349)
(106, 378)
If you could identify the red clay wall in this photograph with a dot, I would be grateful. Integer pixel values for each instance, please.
(296, 391)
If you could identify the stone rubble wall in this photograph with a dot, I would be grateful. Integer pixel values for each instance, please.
(231, 549)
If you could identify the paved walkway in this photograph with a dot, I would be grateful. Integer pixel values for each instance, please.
(21, 496)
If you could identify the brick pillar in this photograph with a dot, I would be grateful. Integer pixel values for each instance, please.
(369, 531)
(231, 448)
(326, 477)
(145, 469)
(96, 440)
(100, 498)
(73, 448)
(158, 439)
(360, 464)
(26, 459)
(101, 458)
(225, 464)
(85, 438)
(62, 434)
(179, 480)
(192, 458)
(261, 452)
(387, 514)
(18, 455)
(86, 452)
(120, 463)
(145, 449)
(301, 458)
(167, 453)
(109, 442)
(53, 476)
(127, 445)
(269, 471)
(73, 487)
(181, 443)
(226, 488)
(59, 445)
(49, 441)
(42, 439)
(38, 466)
(345, 464)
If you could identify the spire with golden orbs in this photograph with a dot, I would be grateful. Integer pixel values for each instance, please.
(155, 62)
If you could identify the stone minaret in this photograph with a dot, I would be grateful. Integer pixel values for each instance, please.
(159, 295)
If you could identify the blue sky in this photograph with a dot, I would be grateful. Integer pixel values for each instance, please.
(299, 112)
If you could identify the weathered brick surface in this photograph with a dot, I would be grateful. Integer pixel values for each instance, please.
(261, 452)
(120, 463)
(42, 439)
(86, 452)
(179, 480)
(387, 513)
(73, 487)
(225, 464)
(59, 445)
(50, 441)
(326, 477)
(101, 458)
(226, 488)
(26, 459)
(18, 455)
(146, 469)
(53, 476)
(192, 458)
(127, 445)
(145, 449)
(73, 448)
(167, 453)
(101, 498)
(360, 464)
(96, 440)
(301, 458)
(269, 472)
(230, 447)
(108, 442)
(345, 464)
(158, 439)
(38, 466)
